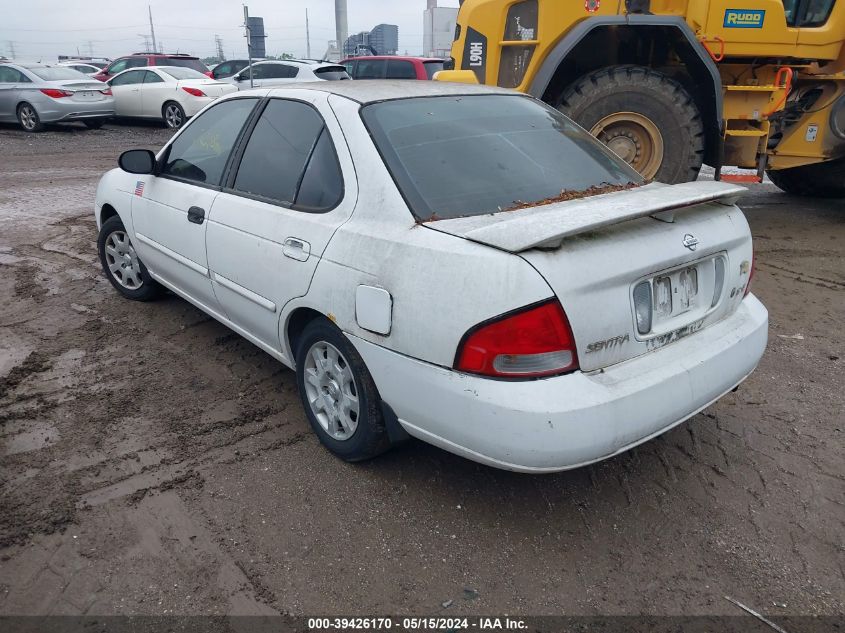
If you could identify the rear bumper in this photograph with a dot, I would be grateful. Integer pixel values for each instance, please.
(58, 110)
(569, 421)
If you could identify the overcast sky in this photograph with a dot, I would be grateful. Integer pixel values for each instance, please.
(47, 28)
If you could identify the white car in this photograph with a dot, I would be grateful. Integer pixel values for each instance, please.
(401, 246)
(86, 69)
(274, 74)
(170, 93)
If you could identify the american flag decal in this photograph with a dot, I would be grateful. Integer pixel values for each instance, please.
(139, 188)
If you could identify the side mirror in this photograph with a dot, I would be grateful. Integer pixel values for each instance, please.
(240, 78)
(137, 161)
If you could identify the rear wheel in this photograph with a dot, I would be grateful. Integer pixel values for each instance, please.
(338, 393)
(819, 180)
(121, 263)
(645, 117)
(94, 124)
(29, 119)
(173, 114)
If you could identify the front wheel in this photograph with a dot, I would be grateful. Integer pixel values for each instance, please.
(819, 180)
(121, 263)
(174, 115)
(29, 119)
(340, 398)
(645, 117)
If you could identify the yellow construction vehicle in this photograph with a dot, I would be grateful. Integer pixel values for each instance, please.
(670, 85)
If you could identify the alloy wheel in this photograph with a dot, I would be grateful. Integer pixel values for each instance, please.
(331, 390)
(29, 119)
(173, 116)
(122, 261)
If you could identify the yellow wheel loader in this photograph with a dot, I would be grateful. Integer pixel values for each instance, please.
(670, 85)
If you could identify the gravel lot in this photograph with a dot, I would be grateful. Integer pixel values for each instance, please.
(154, 462)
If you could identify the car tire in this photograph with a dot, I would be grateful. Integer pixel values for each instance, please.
(338, 394)
(29, 119)
(121, 264)
(94, 124)
(173, 115)
(649, 119)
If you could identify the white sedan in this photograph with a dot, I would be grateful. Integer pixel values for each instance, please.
(405, 247)
(170, 93)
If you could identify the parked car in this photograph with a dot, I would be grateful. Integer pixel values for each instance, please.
(170, 93)
(85, 68)
(36, 94)
(229, 67)
(412, 250)
(392, 67)
(141, 60)
(271, 74)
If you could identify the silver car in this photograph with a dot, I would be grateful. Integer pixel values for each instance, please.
(34, 94)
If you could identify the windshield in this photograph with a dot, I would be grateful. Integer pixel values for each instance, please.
(458, 156)
(183, 73)
(332, 73)
(57, 73)
(431, 68)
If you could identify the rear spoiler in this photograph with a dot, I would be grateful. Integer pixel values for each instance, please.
(548, 225)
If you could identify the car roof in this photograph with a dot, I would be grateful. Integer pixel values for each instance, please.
(374, 90)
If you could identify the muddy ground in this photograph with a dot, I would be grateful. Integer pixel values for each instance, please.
(153, 462)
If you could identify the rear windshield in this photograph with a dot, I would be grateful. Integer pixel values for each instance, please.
(183, 73)
(57, 73)
(431, 68)
(459, 156)
(185, 63)
(332, 73)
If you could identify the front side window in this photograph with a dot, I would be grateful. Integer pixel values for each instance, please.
(400, 69)
(460, 156)
(128, 78)
(370, 69)
(11, 75)
(200, 152)
(279, 150)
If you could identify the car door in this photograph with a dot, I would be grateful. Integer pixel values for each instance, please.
(169, 210)
(126, 88)
(154, 92)
(293, 187)
(10, 80)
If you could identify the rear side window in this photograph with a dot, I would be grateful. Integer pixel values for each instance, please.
(278, 151)
(471, 155)
(290, 158)
(199, 154)
(151, 78)
(431, 68)
(400, 69)
(279, 71)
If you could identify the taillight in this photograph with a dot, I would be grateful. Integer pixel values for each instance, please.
(750, 277)
(193, 91)
(106, 91)
(56, 93)
(535, 341)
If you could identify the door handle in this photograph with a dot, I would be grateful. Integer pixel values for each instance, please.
(296, 248)
(196, 215)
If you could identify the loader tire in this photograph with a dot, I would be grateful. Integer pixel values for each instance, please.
(819, 180)
(647, 118)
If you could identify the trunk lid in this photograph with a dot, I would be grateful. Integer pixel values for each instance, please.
(84, 91)
(688, 244)
(209, 87)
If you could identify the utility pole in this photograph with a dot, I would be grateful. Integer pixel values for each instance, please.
(146, 42)
(152, 30)
(248, 43)
(219, 44)
(90, 48)
(307, 36)
(12, 49)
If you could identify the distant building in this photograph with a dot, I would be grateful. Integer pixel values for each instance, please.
(438, 30)
(383, 39)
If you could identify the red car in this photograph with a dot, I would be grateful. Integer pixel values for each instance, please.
(137, 60)
(392, 67)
